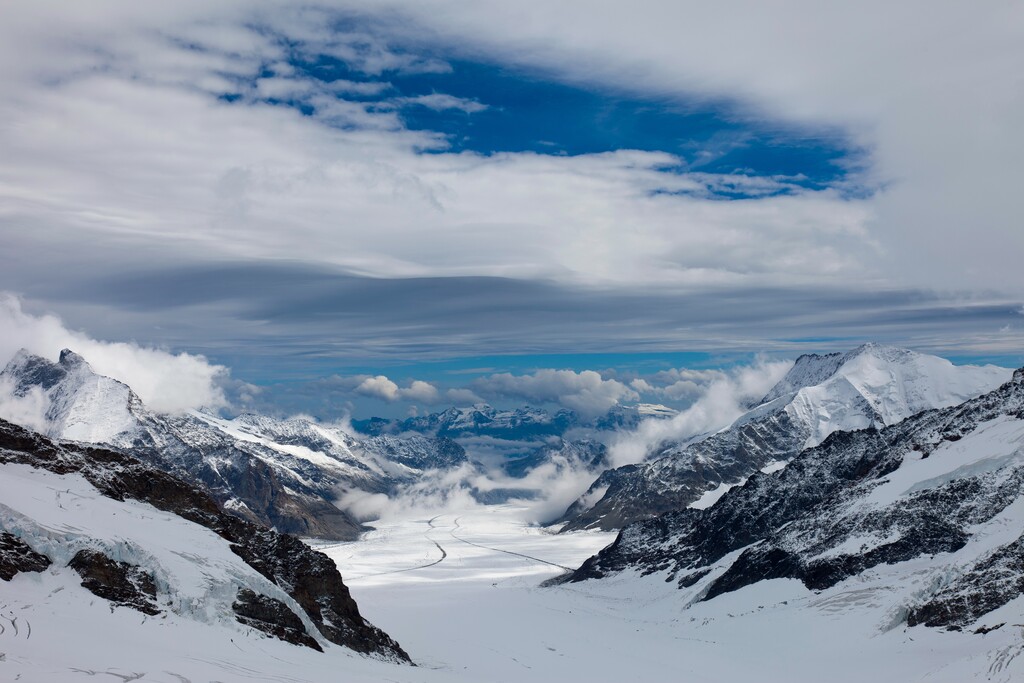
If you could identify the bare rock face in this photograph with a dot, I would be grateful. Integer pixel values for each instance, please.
(17, 556)
(119, 582)
(272, 617)
(309, 577)
(312, 579)
(987, 586)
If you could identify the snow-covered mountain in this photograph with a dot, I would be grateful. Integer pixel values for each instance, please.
(478, 420)
(79, 523)
(871, 386)
(283, 473)
(629, 416)
(518, 424)
(915, 523)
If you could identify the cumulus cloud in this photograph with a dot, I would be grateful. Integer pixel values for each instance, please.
(463, 397)
(724, 399)
(676, 384)
(165, 381)
(386, 390)
(585, 392)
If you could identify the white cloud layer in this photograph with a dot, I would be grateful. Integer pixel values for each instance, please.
(166, 382)
(585, 392)
(87, 91)
(933, 91)
(723, 400)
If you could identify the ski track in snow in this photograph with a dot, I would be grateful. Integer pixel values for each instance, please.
(507, 552)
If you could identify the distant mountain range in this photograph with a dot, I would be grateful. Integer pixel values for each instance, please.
(519, 424)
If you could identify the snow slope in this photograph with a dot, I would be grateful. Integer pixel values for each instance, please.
(117, 544)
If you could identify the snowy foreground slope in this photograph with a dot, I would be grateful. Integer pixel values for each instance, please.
(282, 473)
(474, 612)
(872, 385)
(100, 539)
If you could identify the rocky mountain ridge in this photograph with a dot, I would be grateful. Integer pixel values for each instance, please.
(517, 424)
(283, 473)
(932, 507)
(873, 385)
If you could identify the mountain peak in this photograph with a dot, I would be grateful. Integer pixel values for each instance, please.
(70, 359)
(812, 369)
(885, 352)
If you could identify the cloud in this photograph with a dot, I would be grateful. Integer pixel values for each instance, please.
(28, 410)
(674, 384)
(386, 390)
(378, 387)
(421, 391)
(165, 381)
(462, 396)
(116, 227)
(585, 392)
(724, 400)
(343, 182)
(442, 102)
(940, 126)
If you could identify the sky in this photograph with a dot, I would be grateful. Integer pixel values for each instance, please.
(393, 207)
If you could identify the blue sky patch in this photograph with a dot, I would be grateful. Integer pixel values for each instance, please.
(529, 113)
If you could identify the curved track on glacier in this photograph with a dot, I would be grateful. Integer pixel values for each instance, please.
(444, 556)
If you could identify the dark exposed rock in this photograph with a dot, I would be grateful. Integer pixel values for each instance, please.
(119, 582)
(753, 566)
(989, 584)
(312, 579)
(17, 556)
(680, 475)
(272, 617)
(308, 576)
(240, 475)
